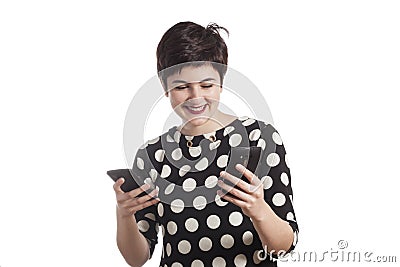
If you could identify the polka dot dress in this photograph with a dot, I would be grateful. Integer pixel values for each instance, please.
(198, 227)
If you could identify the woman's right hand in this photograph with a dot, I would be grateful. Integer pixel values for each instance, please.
(129, 202)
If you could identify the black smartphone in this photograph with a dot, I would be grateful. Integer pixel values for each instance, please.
(246, 156)
(129, 183)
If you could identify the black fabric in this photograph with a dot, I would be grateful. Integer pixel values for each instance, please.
(199, 228)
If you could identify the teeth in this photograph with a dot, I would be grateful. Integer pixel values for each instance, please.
(196, 108)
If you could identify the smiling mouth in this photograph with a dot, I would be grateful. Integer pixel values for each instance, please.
(197, 109)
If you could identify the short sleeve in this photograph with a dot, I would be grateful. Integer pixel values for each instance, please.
(146, 218)
(275, 176)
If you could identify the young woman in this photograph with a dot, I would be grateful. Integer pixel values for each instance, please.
(201, 224)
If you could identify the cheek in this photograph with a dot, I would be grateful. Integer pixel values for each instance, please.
(214, 97)
(176, 101)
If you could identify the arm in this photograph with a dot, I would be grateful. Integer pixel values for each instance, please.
(131, 243)
(268, 200)
(275, 234)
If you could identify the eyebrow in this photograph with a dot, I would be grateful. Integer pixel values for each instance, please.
(204, 80)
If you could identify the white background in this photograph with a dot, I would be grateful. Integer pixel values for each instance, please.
(329, 71)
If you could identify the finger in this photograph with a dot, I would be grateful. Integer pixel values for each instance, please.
(131, 194)
(236, 201)
(135, 192)
(134, 201)
(145, 204)
(236, 181)
(253, 179)
(234, 191)
(147, 197)
(117, 185)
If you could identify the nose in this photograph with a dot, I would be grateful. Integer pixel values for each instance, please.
(195, 91)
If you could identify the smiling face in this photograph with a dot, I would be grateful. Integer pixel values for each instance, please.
(194, 94)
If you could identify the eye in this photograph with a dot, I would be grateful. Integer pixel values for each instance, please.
(207, 85)
(181, 87)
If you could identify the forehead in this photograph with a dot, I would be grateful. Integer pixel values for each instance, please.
(191, 74)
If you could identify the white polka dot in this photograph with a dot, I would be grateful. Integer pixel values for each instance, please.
(153, 174)
(183, 170)
(197, 263)
(177, 205)
(176, 264)
(189, 184)
(278, 199)
(295, 238)
(166, 171)
(222, 161)
(202, 164)
(248, 122)
(151, 216)
(243, 118)
(191, 224)
(213, 221)
(273, 159)
(235, 140)
(235, 218)
(172, 227)
(261, 143)
(170, 139)
(227, 241)
(148, 181)
(228, 130)
(218, 262)
(168, 249)
(254, 135)
(247, 238)
(256, 256)
(176, 154)
(267, 182)
(205, 244)
(290, 216)
(208, 135)
(240, 260)
(199, 202)
(159, 155)
(184, 247)
(177, 136)
(195, 151)
(160, 209)
(189, 137)
(277, 138)
(214, 145)
(140, 163)
(291, 198)
(285, 178)
(169, 189)
(211, 181)
(162, 230)
(143, 225)
(219, 201)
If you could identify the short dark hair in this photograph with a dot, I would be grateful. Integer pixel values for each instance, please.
(188, 42)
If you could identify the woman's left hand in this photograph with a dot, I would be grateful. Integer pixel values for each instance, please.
(249, 196)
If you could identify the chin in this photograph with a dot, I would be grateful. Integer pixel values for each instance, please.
(196, 121)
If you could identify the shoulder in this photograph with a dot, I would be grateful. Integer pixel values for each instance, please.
(259, 127)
